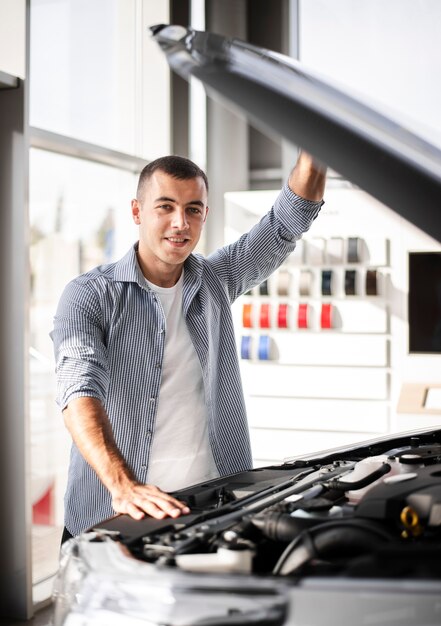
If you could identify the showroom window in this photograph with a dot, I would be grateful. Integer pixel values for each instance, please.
(94, 122)
(89, 56)
(79, 218)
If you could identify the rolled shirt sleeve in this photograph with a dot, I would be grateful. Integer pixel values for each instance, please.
(80, 352)
(258, 253)
(294, 213)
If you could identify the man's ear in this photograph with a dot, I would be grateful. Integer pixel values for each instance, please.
(206, 213)
(136, 209)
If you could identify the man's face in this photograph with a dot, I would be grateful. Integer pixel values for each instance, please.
(171, 214)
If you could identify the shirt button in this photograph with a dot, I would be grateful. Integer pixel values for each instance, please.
(160, 331)
(158, 366)
(152, 400)
(149, 433)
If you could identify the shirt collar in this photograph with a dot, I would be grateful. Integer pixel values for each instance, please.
(127, 270)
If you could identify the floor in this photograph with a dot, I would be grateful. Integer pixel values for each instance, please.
(42, 618)
(45, 554)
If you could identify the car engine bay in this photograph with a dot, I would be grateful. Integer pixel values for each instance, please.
(366, 513)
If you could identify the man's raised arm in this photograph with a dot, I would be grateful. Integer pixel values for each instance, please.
(308, 178)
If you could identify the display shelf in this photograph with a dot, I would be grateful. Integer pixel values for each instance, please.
(316, 345)
(318, 414)
(295, 381)
(348, 213)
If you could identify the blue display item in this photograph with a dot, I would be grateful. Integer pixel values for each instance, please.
(245, 347)
(264, 349)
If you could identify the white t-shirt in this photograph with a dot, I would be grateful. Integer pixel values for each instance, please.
(181, 453)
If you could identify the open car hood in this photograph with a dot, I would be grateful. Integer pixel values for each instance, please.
(394, 165)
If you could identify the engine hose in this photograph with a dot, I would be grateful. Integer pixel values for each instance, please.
(281, 526)
(341, 485)
(329, 541)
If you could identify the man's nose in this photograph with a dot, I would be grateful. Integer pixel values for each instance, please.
(180, 219)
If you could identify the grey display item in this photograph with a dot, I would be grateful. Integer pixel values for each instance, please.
(348, 536)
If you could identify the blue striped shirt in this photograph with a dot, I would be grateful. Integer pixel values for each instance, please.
(109, 336)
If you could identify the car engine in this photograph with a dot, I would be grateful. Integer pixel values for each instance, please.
(367, 513)
(353, 532)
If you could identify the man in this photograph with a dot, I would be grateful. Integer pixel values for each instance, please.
(147, 367)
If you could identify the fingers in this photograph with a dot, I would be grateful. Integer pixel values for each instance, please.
(308, 178)
(162, 501)
(307, 159)
(147, 499)
(131, 510)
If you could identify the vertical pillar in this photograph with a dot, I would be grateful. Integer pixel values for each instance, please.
(15, 527)
(179, 90)
(227, 132)
(292, 44)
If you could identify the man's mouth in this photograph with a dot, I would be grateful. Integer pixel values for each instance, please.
(177, 241)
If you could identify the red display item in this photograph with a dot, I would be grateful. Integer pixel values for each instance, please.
(265, 321)
(326, 316)
(43, 511)
(247, 316)
(282, 316)
(302, 318)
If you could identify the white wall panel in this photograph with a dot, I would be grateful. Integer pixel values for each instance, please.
(273, 445)
(411, 421)
(307, 414)
(291, 381)
(330, 349)
(360, 317)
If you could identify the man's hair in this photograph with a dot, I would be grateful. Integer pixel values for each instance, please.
(175, 166)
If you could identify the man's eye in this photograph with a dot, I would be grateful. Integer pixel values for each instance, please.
(194, 209)
(164, 206)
